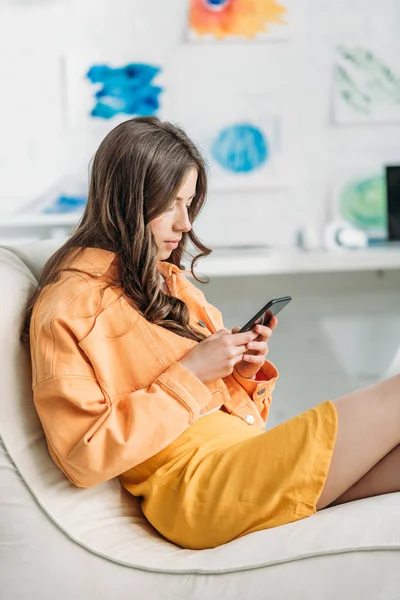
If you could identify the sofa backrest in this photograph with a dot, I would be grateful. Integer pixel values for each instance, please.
(35, 254)
(22, 435)
(20, 268)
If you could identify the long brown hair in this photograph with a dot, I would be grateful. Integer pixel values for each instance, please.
(136, 174)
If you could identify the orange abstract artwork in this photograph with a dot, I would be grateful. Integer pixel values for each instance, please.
(224, 18)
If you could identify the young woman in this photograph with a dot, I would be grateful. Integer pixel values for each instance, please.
(135, 376)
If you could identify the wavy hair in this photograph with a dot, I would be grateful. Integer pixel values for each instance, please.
(136, 174)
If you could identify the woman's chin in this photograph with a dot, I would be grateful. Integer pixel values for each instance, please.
(164, 254)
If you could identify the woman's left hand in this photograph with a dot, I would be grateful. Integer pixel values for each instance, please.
(254, 358)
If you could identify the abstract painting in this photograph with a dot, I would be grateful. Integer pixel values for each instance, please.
(242, 153)
(366, 88)
(240, 148)
(66, 195)
(360, 199)
(102, 93)
(127, 90)
(237, 19)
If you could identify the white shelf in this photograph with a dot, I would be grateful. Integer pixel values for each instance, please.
(224, 262)
(39, 220)
(235, 262)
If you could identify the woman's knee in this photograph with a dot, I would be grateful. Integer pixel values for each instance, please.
(368, 429)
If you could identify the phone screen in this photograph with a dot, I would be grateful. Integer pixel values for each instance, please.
(263, 316)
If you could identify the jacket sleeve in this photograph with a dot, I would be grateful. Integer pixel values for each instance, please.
(260, 389)
(93, 439)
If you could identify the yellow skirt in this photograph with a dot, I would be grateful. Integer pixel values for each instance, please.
(222, 479)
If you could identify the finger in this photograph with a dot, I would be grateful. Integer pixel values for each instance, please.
(219, 333)
(241, 339)
(258, 346)
(263, 331)
(273, 322)
(235, 329)
(254, 358)
(238, 350)
(237, 358)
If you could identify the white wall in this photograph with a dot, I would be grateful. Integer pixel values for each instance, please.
(340, 332)
(44, 44)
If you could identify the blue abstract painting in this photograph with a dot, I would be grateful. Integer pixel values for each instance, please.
(125, 90)
(66, 204)
(240, 148)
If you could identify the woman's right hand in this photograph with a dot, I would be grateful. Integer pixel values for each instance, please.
(215, 356)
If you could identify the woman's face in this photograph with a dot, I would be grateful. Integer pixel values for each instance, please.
(168, 227)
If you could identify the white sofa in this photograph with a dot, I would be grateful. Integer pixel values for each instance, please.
(57, 541)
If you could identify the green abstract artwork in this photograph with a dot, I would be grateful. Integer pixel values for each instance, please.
(362, 202)
(366, 87)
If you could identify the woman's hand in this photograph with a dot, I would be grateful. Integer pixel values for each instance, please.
(257, 350)
(215, 356)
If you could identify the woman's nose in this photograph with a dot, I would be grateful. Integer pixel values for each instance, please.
(183, 222)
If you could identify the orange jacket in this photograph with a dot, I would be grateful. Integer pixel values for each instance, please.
(108, 385)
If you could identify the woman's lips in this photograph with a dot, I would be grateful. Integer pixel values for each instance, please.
(172, 244)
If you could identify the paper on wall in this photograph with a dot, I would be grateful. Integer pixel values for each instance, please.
(366, 85)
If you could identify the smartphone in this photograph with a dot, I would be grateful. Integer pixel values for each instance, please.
(272, 308)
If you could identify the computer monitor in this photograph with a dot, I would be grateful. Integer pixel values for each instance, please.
(393, 202)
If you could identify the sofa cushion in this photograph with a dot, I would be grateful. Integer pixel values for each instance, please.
(108, 522)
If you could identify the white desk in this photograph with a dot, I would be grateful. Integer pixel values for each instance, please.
(237, 262)
(225, 262)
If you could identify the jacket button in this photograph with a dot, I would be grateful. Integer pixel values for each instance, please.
(250, 419)
(202, 324)
(262, 391)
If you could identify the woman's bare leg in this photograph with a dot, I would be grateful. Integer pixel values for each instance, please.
(383, 478)
(368, 429)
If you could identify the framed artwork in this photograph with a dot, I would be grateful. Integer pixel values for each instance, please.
(238, 20)
(366, 85)
(242, 151)
(359, 198)
(99, 90)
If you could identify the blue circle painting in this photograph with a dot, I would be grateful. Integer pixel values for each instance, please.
(240, 148)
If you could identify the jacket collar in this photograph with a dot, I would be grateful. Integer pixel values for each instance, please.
(97, 261)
